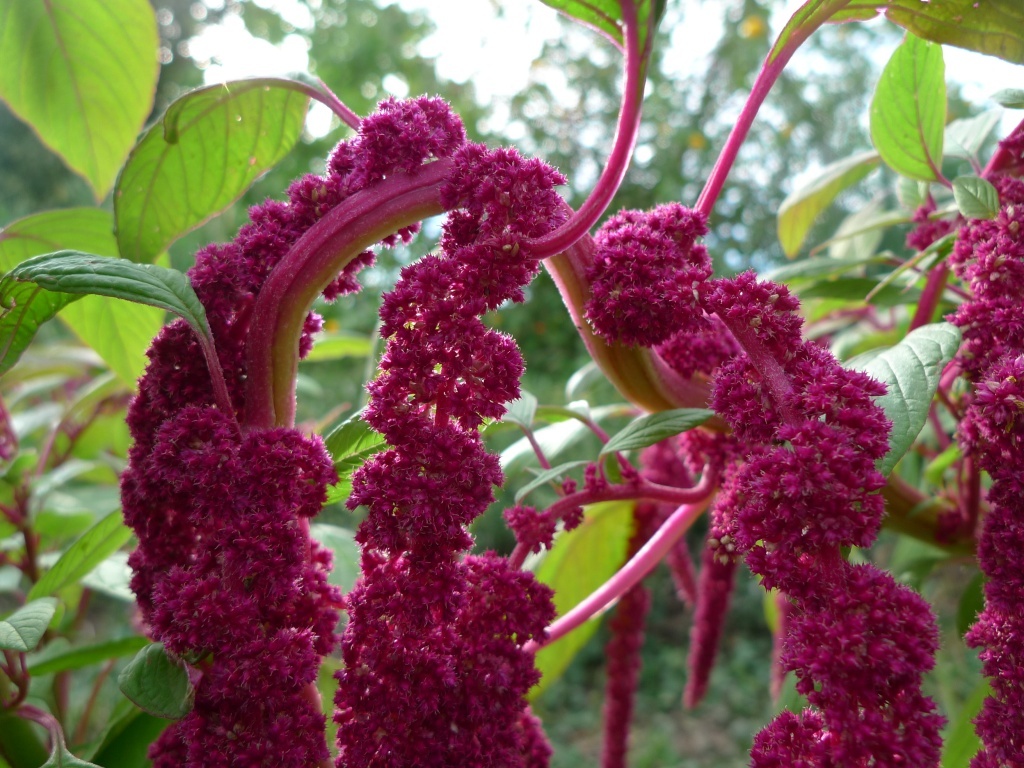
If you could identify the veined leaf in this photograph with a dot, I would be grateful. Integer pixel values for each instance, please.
(805, 20)
(67, 274)
(911, 372)
(522, 411)
(803, 205)
(208, 148)
(120, 332)
(655, 427)
(580, 561)
(965, 137)
(993, 27)
(1011, 98)
(353, 441)
(47, 663)
(103, 539)
(157, 684)
(975, 197)
(908, 110)
(82, 73)
(23, 629)
(606, 16)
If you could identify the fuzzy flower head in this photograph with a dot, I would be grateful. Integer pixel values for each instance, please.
(646, 274)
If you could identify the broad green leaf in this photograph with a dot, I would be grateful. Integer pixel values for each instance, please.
(803, 205)
(62, 758)
(606, 16)
(937, 467)
(972, 602)
(912, 194)
(55, 279)
(66, 658)
(908, 110)
(208, 148)
(157, 684)
(859, 289)
(580, 561)
(112, 577)
(546, 477)
(965, 137)
(911, 372)
(82, 73)
(581, 381)
(803, 22)
(336, 346)
(522, 411)
(23, 629)
(655, 427)
(126, 742)
(818, 267)
(860, 233)
(94, 546)
(341, 541)
(120, 332)
(960, 741)
(975, 197)
(1011, 98)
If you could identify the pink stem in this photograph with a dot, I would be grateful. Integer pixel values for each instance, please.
(766, 78)
(272, 350)
(622, 150)
(634, 571)
(930, 297)
(1003, 157)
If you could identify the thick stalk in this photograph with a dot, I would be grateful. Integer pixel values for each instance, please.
(272, 349)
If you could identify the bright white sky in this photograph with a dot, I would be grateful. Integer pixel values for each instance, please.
(473, 43)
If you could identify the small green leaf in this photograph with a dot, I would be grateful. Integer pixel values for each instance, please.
(803, 205)
(64, 659)
(908, 110)
(937, 466)
(337, 346)
(522, 411)
(860, 233)
(911, 193)
(62, 758)
(582, 379)
(965, 137)
(210, 146)
(580, 561)
(655, 427)
(341, 541)
(818, 267)
(911, 372)
(352, 442)
(157, 684)
(972, 602)
(975, 197)
(546, 477)
(1011, 98)
(94, 546)
(36, 289)
(112, 577)
(23, 629)
(82, 73)
(127, 740)
(960, 741)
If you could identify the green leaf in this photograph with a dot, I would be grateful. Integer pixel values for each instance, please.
(965, 137)
(157, 684)
(803, 205)
(127, 741)
(908, 110)
(23, 629)
(66, 274)
(546, 477)
(1011, 98)
(341, 541)
(993, 27)
(972, 602)
(582, 380)
(82, 73)
(352, 442)
(960, 741)
(805, 20)
(336, 346)
(938, 466)
(94, 546)
(64, 659)
(606, 16)
(655, 427)
(62, 758)
(210, 146)
(818, 267)
(975, 197)
(580, 561)
(857, 289)
(522, 411)
(860, 233)
(911, 372)
(912, 194)
(112, 577)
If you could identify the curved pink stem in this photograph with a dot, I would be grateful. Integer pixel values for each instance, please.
(641, 564)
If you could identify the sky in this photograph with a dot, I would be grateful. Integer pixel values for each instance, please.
(493, 44)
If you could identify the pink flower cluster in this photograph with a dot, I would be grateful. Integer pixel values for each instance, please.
(435, 672)
(225, 574)
(990, 256)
